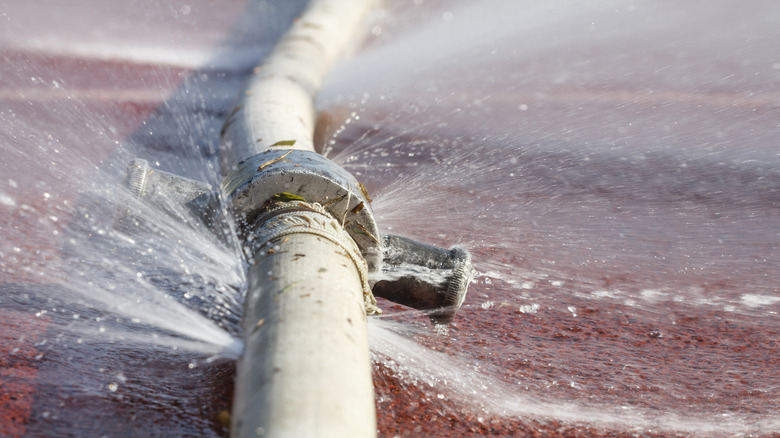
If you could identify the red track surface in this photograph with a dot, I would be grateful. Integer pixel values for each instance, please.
(19, 359)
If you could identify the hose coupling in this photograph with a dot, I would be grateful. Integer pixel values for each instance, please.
(181, 198)
(424, 277)
(304, 176)
(282, 191)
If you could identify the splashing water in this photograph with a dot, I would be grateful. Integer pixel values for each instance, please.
(444, 376)
(128, 328)
(611, 167)
(65, 157)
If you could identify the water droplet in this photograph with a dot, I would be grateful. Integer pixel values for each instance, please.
(529, 308)
(113, 386)
(7, 200)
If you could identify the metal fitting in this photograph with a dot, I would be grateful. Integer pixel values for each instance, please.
(271, 193)
(305, 176)
(177, 196)
(424, 277)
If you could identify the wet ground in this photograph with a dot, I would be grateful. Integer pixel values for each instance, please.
(613, 170)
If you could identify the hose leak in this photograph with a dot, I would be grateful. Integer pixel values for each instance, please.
(255, 196)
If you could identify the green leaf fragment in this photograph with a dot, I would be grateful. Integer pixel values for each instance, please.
(286, 197)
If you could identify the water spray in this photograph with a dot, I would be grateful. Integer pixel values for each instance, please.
(315, 256)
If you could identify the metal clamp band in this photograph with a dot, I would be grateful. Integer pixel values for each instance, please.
(297, 217)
